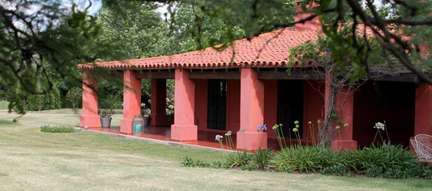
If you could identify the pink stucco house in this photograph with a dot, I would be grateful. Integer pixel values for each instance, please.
(247, 85)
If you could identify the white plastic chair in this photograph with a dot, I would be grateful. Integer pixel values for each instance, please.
(422, 145)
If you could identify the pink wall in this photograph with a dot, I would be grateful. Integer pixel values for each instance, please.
(423, 109)
(392, 102)
(270, 105)
(233, 105)
(313, 108)
(344, 108)
(158, 103)
(201, 104)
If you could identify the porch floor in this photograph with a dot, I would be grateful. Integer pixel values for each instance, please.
(163, 134)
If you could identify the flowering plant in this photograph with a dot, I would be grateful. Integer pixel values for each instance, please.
(262, 128)
(278, 129)
(219, 138)
(381, 126)
(296, 131)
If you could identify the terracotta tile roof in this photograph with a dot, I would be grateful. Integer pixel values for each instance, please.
(266, 50)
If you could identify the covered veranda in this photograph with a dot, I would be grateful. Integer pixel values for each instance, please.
(247, 85)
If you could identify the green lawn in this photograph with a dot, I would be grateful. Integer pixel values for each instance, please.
(3, 104)
(31, 160)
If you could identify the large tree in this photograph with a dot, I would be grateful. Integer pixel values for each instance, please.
(41, 42)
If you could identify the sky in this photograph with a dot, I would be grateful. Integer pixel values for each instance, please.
(97, 5)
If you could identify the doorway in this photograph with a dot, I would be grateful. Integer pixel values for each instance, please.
(217, 101)
(290, 105)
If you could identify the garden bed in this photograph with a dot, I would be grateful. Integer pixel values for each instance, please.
(388, 161)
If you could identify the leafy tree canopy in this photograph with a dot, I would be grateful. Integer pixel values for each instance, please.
(41, 41)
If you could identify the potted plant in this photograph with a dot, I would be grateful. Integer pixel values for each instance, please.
(106, 114)
(105, 119)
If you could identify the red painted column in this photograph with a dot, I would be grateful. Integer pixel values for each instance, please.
(90, 110)
(184, 128)
(344, 107)
(423, 110)
(251, 112)
(131, 100)
(158, 103)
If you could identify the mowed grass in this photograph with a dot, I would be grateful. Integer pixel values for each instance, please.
(3, 104)
(32, 160)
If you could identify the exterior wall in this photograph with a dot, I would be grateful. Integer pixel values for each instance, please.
(201, 104)
(89, 117)
(158, 103)
(389, 102)
(423, 109)
(344, 108)
(184, 128)
(233, 105)
(131, 100)
(270, 105)
(232, 109)
(313, 109)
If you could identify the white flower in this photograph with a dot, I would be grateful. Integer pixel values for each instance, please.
(295, 130)
(379, 126)
(218, 138)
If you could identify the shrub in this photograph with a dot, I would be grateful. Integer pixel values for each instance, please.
(261, 159)
(189, 162)
(236, 160)
(338, 169)
(343, 164)
(303, 159)
(386, 161)
(389, 161)
(56, 129)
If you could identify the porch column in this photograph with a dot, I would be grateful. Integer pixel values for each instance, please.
(184, 128)
(344, 108)
(90, 110)
(423, 109)
(131, 100)
(251, 112)
(158, 103)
